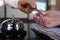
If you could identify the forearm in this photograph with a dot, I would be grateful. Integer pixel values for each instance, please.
(11, 3)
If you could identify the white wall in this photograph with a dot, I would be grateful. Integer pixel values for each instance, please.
(17, 13)
(1, 12)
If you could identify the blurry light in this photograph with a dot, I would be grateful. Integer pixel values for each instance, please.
(40, 6)
(1, 3)
(43, 9)
(9, 27)
(17, 27)
(34, 12)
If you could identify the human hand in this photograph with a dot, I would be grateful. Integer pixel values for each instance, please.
(50, 19)
(26, 5)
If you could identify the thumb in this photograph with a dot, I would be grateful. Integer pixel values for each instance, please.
(31, 19)
(32, 4)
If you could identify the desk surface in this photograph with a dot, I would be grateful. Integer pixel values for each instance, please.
(51, 32)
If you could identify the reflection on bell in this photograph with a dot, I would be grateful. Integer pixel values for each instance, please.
(9, 27)
(13, 28)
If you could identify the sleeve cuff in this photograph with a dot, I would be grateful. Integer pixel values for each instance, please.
(11, 3)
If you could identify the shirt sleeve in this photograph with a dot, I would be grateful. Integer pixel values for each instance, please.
(11, 3)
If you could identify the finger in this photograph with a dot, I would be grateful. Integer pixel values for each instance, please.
(31, 18)
(26, 10)
(32, 3)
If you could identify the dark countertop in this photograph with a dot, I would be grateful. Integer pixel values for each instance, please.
(37, 27)
(51, 32)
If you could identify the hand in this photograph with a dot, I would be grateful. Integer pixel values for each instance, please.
(51, 19)
(28, 8)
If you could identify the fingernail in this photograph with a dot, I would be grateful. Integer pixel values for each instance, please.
(34, 6)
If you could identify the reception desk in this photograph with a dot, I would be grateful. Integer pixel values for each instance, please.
(46, 33)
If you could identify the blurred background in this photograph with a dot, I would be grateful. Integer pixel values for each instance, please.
(6, 12)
